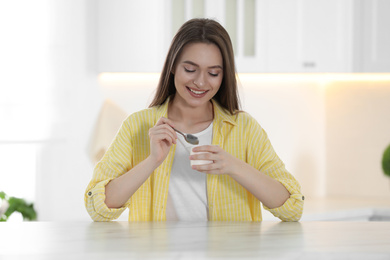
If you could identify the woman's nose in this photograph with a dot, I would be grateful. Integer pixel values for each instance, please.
(199, 80)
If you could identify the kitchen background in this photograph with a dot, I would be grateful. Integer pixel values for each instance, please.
(315, 74)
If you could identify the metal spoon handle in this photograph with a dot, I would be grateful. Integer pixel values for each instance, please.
(180, 132)
(191, 139)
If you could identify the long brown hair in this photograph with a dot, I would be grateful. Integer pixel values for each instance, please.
(205, 31)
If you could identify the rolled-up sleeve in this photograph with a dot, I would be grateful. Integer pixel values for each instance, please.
(265, 159)
(292, 208)
(115, 162)
(94, 203)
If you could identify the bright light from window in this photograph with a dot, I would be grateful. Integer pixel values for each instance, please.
(25, 92)
(18, 164)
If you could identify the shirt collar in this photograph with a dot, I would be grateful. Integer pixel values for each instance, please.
(162, 110)
(223, 115)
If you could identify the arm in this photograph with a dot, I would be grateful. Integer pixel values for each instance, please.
(112, 185)
(119, 190)
(269, 191)
(259, 171)
(266, 189)
(275, 187)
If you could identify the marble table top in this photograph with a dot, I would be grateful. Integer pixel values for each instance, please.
(195, 240)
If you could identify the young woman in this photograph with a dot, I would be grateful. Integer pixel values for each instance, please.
(147, 167)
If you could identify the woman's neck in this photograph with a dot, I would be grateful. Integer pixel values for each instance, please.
(190, 119)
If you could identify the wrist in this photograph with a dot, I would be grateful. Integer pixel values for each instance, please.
(152, 162)
(236, 168)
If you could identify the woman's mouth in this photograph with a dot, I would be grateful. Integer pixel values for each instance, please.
(197, 93)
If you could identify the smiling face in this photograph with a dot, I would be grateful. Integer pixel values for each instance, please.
(198, 74)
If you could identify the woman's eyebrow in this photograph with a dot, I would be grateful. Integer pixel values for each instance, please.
(194, 64)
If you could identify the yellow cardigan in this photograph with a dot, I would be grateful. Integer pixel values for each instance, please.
(239, 135)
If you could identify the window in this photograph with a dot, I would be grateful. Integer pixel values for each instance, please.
(25, 92)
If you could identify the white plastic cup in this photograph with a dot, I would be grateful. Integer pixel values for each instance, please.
(199, 162)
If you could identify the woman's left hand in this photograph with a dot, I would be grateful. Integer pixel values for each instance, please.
(222, 161)
(269, 191)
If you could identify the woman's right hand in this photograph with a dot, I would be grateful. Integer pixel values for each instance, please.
(161, 136)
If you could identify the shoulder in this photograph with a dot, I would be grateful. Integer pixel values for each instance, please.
(242, 124)
(141, 117)
(239, 118)
(144, 112)
(245, 120)
(244, 116)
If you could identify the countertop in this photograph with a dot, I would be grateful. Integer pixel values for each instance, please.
(195, 240)
(342, 209)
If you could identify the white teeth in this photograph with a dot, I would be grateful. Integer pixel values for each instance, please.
(197, 92)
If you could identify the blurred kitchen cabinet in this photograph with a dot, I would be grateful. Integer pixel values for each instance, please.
(132, 35)
(248, 34)
(371, 36)
(310, 35)
(283, 36)
(326, 35)
(306, 35)
(239, 17)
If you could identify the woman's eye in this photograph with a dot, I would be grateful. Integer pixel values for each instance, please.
(188, 70)
(214, 74)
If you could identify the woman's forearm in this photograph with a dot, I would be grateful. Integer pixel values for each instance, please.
(119, 190)
(269, 191)
(162, 137)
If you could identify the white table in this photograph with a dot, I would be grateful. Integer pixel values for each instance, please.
(195, 240)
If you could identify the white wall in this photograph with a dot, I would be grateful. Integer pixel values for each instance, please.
(357, 133)
(64, 168)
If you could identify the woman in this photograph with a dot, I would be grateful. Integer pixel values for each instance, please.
(147, 167)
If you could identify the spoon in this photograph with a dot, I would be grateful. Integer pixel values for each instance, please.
(191, 139)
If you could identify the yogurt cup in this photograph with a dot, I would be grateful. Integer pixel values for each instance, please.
(199, 162)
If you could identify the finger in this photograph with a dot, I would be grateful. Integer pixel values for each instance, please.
(163, 124)
(163, 134)
(164, 120)
(203, 156)
(168, 124)
(207, 148)
(165, 139)
(212, 168)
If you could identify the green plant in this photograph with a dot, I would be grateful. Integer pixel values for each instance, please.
(17, 205)
(386, 161)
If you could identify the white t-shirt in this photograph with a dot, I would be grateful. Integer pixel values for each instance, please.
(187, 194)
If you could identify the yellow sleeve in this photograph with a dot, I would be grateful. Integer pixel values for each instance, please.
(94, 203)
(115, 162)
(264, 158)
(292, 209)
